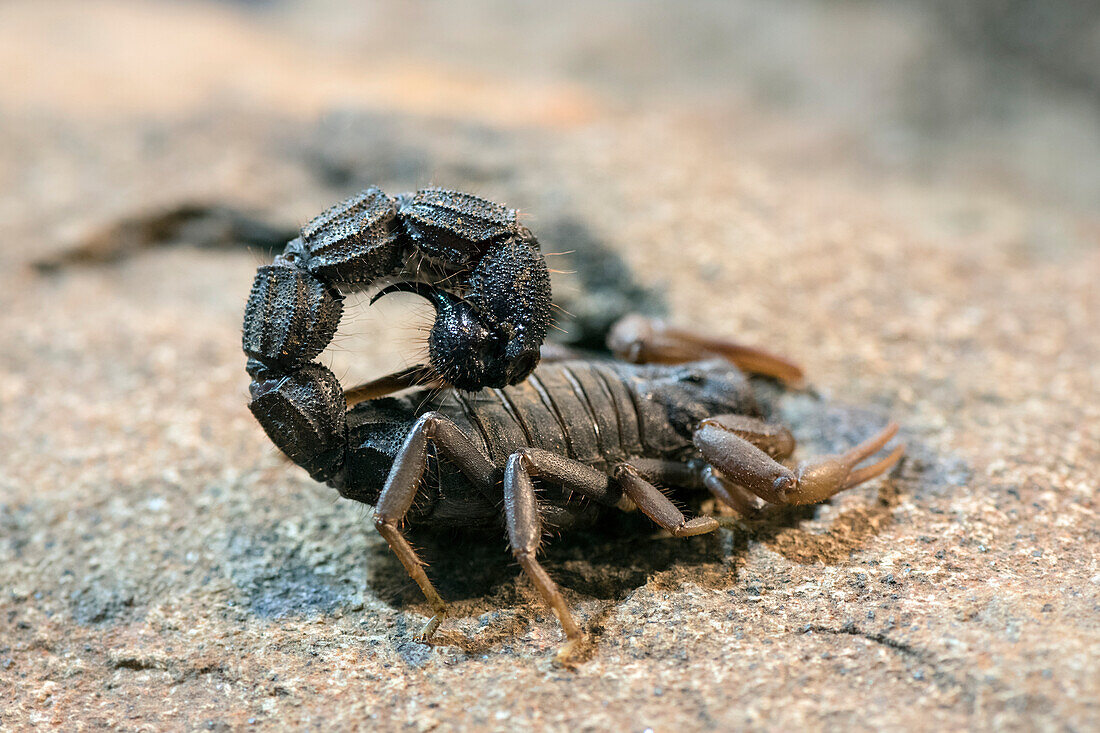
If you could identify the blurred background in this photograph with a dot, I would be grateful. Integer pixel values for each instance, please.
(901, 195)
(128, 125)
(997, 93)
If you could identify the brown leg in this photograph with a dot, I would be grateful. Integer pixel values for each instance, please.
(722, 442)
(691, 475)
(417, 376)
(400, 490)
(659, 507)
(525, 524)
(730, 493)
(668, 473)
(774, 440)
(644, 340)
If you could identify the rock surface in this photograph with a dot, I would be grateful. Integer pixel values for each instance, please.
(162, 567)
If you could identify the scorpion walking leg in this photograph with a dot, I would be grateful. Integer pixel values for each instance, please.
(729, 493)
(689, 476)
(668, 473)
(400, 490)
(724, 443)
(525, 524)
(659, 507)
(415, 376)
(644, 340)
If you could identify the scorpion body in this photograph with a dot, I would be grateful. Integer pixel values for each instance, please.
(676, 410)
(596, 435)
(596, 413)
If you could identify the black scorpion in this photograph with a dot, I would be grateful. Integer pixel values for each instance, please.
(593, 434)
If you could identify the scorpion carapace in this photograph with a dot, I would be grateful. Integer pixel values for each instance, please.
(593, 435)
(471, 258)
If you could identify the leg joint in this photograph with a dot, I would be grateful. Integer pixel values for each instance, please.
(525, 458)
(428, 423)
(624, 469)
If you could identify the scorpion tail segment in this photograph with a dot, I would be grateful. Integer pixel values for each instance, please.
(511, 289)
(461, 350)
(645, 340)
(452, 226)
(492, 337)
(355, 241)
(304, 415)
(290, 318)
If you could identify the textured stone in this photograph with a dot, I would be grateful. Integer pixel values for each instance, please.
(162, 567)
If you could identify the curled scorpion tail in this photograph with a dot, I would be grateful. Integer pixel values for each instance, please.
(292, 315)
(290, 318)
(491, 313)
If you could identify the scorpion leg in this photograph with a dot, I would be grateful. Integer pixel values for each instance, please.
(400, 490)
(690, 476)
(729, 493)
(723, 442)
(698, 475)
(525, 523)
(668, 473)
(415, 376)
(642, 340)
(659, 507)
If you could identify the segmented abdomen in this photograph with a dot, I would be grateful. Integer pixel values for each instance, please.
(582, 410)
(599, 412)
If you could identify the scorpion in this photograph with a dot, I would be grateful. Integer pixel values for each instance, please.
(554, 449)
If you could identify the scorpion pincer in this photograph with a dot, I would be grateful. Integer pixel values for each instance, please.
(471, 258)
